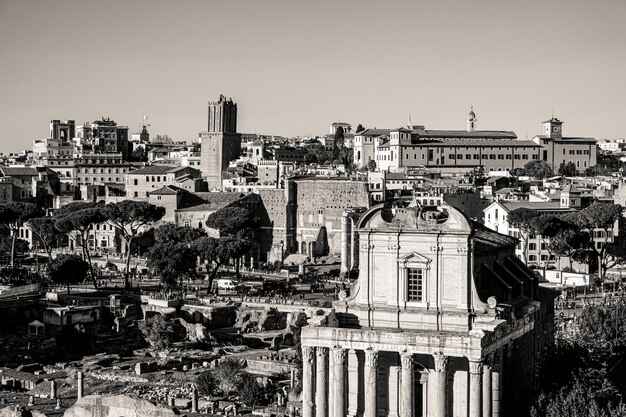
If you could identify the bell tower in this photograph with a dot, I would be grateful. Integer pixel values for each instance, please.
(553, 128)
(471, 120)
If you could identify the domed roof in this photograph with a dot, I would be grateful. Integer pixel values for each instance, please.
(471, 115)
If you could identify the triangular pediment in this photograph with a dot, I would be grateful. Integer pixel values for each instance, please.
(414, 257)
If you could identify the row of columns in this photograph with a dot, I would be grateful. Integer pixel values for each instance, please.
(321, 399)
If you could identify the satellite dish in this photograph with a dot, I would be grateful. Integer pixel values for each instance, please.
(492, 302)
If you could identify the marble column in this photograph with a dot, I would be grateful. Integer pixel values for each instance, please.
(345, 242)
(487, 389)
(408, 381)
(339, 381)
(81, 385)
(475, 388)
(424, 383)
(321, 383)
(496, 378)
(308, 389)
(194, 401)
(371, 383)
(441, 372)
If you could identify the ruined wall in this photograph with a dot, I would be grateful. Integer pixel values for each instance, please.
(320, 205)
(115, 406)
(273, 224)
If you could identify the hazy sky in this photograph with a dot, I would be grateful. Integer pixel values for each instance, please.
(294, 66)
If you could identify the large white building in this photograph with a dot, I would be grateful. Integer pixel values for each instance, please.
(444, 320)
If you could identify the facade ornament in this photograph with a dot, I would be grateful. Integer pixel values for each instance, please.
(441, 362)
(406, 358)
(308, 354)
(322, 352)
(339, 356)
(475, 367)
(371, 358)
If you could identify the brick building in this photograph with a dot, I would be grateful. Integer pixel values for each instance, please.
(141, 182)
(221, 143)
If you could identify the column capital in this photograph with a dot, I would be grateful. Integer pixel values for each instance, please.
(308, 354)
(371, 358)
(475, 366)
(441, 362)
(340, 356)
(322, 352)
(406, 358)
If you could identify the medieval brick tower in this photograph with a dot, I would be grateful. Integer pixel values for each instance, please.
(220, 143)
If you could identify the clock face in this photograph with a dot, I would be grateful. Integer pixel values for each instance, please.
(555, 129)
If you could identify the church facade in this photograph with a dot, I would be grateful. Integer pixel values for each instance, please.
(444, 320)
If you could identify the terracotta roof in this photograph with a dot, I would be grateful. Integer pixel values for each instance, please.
(17, 172)
(167, 190)
(374, 132)
(214, 206)
(534, 205)
(487, 238)
(474, 142)
(157, 169)
(221, 196)
(465, 134)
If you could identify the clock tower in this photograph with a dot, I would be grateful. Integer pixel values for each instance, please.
(552, 128)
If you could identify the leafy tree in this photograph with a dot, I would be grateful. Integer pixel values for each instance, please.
(20, 246)
(13, 215)
(547, 226)
(159, 331)
(603, 326)
(601, 217)
(68, 270)
(139, 155)
(606, 165)
(206, 383)
(230, 221)
(249, 390)
(225, 378)
(359, 128)
(46, 232)
(81, 221)
(130, 217)
(523, 219)
(568, 169)
(74, 207)
(321, 155)
(539, 169)
(338, 142)
(173, 262)
(215, 251)
(371, 165)
(169, 232)
(568, 242)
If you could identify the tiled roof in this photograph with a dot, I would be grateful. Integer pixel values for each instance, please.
(374, 132)
(487, 237)
(167, 190)
(538, 205)
(214, 206)
(221, 196)
(464, 134)
(474, 142)
(154, 169)
(16, 172)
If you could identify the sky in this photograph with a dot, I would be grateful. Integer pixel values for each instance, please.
(294, 66)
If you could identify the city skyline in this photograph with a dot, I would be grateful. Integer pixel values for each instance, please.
(295, 68)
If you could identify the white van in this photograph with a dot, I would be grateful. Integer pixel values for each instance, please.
(226, 285)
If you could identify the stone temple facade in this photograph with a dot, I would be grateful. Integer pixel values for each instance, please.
(443, 321)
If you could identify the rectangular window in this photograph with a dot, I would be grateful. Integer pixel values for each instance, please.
(415, 282)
